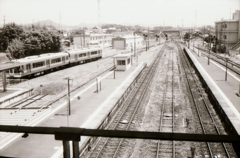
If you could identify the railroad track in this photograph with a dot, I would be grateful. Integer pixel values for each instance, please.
(28, 102)
(126, 118)
(208, 120)
(233, 66)
(167, 148)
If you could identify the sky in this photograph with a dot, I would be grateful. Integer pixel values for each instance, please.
(188, 13)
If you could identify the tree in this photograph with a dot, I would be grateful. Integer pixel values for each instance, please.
(10, 32)
(186, 36)
(16, 48)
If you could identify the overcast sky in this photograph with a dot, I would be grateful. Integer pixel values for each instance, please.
(133, 12)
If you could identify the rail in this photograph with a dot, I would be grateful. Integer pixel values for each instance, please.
(223, 61)
(87, 144)
(215, 126)
(128, 111)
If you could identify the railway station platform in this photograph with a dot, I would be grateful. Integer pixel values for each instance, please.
(88, 112)
(12, 95)
(225, 89)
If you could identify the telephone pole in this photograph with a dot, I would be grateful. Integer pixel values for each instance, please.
(148, 38)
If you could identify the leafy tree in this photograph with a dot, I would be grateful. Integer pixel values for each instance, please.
(10, 32)
(186, 36)
(16, 48)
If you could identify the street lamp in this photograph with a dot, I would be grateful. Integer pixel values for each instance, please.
(193, 45)
(209, 57)
(227, 58)
(198, 49)
(134, 45)
(69, 103)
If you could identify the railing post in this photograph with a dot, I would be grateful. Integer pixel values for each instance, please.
(66, 149)
(75, 145)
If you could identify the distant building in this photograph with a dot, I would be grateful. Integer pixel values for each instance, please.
(120, 34)
(127, 42)
(111, 30)
(88, 40)
(197, 39)
(96, 29)
(228, 32)
(172, 32)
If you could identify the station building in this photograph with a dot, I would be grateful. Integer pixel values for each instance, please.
(197, 40)
(123, 61)
(91, 40)
(127, 42)
(228, 32)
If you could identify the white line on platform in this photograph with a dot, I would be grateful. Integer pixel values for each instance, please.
(60, 151)
(48, 114)
(219, 90)
(223, 68)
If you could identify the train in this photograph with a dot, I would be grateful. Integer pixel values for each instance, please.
(45, 63)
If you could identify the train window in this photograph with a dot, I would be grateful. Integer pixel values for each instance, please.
(121, 62)
(47, 62)
(28, 66)
(38, 64)
(57, 60)
(63, 59)
(93, 53)
(17, 69)
(82, 55)
(66, 57)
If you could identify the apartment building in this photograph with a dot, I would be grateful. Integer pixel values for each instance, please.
(88, 40)
(228, 32)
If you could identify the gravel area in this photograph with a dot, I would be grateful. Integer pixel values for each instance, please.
(54, 84)
(152, 111)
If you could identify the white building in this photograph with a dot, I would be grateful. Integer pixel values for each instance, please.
(89, 40)
(123, 61)
(127, 42)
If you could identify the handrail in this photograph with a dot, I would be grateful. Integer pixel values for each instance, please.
(70, 133)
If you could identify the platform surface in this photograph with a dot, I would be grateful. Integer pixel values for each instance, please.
(225, 90)
(86, 112)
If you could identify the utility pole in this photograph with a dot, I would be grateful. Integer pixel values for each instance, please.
(69, 103)
(209, 46)
(134, 45)
(84, 37)
(148, 38)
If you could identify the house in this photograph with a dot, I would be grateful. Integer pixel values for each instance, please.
(93, 39)
(197, 39)
(228, 32)
(127, 42)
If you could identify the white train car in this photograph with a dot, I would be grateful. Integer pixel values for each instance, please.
(35, 65)
(84, 55)
(38, 64)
